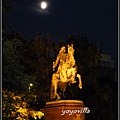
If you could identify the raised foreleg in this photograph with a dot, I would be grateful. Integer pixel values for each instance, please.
(80, 81)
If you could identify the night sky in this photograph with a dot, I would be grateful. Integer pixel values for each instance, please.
(96, 19)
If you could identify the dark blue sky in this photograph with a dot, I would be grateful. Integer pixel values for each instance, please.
(96, 19)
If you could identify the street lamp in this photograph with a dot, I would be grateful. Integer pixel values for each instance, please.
(30, 85)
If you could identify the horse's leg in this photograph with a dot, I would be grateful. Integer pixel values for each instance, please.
(55, 90)
(54, 86)
(52, 92)
(62, 86)
(63, 92)
(80, 82)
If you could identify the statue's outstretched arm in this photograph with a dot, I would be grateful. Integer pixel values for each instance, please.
(56, 62)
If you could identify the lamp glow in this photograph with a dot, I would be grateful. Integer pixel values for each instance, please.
(31, 84)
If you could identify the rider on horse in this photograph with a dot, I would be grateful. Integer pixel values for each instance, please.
(67, 70)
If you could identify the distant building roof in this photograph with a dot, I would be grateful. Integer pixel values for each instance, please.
(106, 61)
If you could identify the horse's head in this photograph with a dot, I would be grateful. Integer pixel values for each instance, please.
(70, 49)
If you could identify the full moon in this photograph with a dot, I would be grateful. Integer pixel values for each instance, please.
(43, 5)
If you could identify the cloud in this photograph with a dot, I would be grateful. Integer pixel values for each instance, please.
(36, 8)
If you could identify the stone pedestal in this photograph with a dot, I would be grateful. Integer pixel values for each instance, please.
(64, 110)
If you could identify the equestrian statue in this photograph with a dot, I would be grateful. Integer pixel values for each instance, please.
(66, 72)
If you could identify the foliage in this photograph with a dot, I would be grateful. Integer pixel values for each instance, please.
(18, 107)
(13, 72)
(38, 62)
(16, 81)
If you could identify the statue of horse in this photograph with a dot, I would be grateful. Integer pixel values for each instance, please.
(66, 73)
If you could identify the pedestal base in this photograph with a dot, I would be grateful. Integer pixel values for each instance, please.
(64, 110)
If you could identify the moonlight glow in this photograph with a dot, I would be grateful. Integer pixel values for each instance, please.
(43, 5)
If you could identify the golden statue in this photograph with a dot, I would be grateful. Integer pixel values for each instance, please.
(66, 72)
